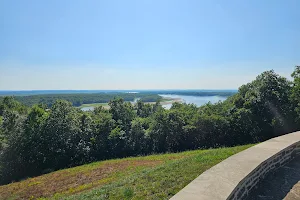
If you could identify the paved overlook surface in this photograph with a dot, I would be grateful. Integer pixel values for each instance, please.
(234, 177)
(284, 183)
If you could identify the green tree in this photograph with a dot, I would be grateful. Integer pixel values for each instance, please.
(117, 140)
(122, 112)
(137, 140)
(158, 130)
(103, 125)
(39, 139)
(11, 161)
(175, 131)
(295, 95)
(267, 98)
(211, 130)
(62, 135)
(9, 103)
(142, 109)
(2, 138)
(31, 142)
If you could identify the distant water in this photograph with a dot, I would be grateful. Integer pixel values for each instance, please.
(91, 108)
(88, 108)
(197, 100)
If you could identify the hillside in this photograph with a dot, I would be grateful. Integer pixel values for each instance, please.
(148, 177)
(83, 98)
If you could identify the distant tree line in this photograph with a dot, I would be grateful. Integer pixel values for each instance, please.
(40, 139)
(79, 99)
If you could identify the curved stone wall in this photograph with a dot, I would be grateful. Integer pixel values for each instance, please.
(233, 178)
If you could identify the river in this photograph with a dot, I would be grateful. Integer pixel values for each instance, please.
(197, 100)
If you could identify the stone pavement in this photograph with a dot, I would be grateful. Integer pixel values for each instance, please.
(282, 184)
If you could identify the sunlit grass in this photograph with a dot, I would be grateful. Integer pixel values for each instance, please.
(148, 177)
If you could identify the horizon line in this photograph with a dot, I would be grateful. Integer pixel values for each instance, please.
(103, 90)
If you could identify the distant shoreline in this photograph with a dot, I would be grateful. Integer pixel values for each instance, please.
(168, 100)
(165, 101)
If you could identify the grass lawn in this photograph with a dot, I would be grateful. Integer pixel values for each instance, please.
(149, 177)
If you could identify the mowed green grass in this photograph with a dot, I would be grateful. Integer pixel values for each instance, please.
(148, 177)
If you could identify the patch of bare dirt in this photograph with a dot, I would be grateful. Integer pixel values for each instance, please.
(294, 193)
(66, 182)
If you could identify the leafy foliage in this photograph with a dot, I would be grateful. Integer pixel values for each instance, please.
(36, 140)
(295, 96)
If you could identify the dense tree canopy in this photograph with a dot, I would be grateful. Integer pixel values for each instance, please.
(295, 96)
(40, 139)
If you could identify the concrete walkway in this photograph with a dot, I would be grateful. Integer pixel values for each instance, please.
(282, 184)
(235, 177)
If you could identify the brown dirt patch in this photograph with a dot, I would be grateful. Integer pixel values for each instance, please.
(294, 193)
(70, 182)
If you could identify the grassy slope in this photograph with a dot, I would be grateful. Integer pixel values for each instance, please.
(148, 177)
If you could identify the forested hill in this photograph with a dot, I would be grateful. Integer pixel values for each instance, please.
(83, 98)
(35, 140)
(78, 99)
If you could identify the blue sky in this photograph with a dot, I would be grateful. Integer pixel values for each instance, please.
(143, 44)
